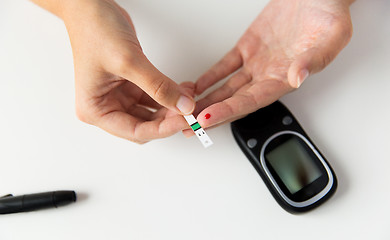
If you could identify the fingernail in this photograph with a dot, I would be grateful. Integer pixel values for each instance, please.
(185, 105)
(303, 74)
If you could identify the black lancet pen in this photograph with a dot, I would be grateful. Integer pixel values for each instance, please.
(31, 202)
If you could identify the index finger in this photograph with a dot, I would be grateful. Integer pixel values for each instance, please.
(246, 100)
(231, 62)
(126, 126)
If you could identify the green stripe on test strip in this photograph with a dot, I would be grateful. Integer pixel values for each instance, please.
(195, 126)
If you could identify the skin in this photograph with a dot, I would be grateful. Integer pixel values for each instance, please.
(286, 43)
(120, 91)
(117, 88)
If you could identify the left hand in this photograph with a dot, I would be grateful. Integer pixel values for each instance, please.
(287, 42)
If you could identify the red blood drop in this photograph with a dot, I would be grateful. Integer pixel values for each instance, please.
(207, 116)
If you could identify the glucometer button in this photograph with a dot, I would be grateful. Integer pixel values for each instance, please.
(287, 120)
(251, 143)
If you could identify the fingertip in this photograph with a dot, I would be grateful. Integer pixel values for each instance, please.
(188, 133)
(200, 118)
(187, 85)
(299, 69)
(185, 105)
(188, 88)
(310, 61)
(200, 85)
(296, 79)
(302, 75)
(210, 116)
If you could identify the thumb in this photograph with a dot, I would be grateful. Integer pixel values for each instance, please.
(308, 62)
(158, 86)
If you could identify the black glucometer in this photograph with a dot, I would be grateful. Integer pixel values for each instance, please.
(294, 170)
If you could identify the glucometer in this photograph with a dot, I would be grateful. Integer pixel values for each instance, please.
(294, 170)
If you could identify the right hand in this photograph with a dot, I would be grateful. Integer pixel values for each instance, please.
(117, 88)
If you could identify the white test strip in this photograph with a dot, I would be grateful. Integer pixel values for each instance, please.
(199, 131)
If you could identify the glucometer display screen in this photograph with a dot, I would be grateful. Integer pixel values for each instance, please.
(293, 164)
(293, 169)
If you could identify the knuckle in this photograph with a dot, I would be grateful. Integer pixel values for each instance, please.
(135, 136)
(82, 116)
(136, 140)
(124, 62)
(161, 89)
(140, 142)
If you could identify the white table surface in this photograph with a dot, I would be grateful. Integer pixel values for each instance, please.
(173, 188)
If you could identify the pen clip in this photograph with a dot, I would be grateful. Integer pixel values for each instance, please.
(8, 195)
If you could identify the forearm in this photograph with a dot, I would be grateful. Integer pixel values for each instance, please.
(64, 8)
(53, 6)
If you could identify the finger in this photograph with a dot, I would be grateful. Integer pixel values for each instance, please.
(140, 112)
(162, 89)
(248, 99)
(226, 66)
(227, 90)
(188, 88)
(134, 129)
(307, 63)
(160, 128)
(188, 133)
(164, 113)
(147, 101)
(134, 95)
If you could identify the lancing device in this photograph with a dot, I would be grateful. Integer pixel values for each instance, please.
(31, 202)
(199, 131)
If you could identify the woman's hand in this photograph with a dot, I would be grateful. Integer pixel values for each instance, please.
(117, 88)
(287, 42)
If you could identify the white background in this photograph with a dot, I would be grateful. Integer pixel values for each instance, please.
(173, 188)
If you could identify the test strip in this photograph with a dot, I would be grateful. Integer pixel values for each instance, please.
(199, 131)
